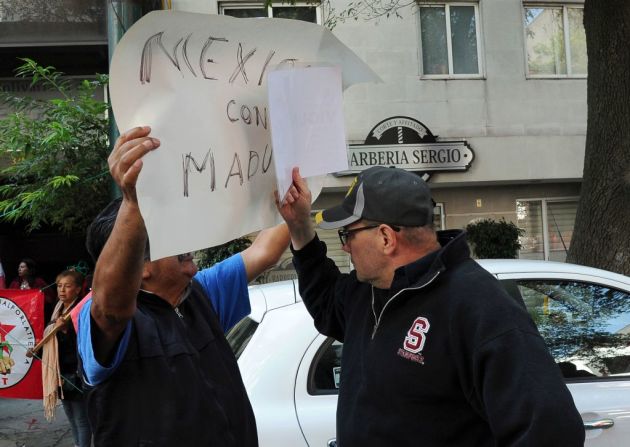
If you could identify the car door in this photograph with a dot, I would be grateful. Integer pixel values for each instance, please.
(585, 321)
(316, 390)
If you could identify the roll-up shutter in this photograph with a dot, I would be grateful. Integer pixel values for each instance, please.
(560, 223)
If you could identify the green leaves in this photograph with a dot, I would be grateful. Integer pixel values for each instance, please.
(55, 152)
(492, 239)
(63, 180)
(210, 256)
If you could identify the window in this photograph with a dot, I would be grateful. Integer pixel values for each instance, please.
(439, 217)
(555, 41)
(240, 335)
(36, 22)
(307, 12)
(70, 35)
(586, 326)
(548, 225)
(449, 36)
(325, 372)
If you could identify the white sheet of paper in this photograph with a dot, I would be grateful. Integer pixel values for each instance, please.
(199, 81)
(307, 127)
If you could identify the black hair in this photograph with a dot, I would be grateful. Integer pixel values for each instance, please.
(101, 228)
(31, 264)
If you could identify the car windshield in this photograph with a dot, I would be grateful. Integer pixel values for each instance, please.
(239, 336)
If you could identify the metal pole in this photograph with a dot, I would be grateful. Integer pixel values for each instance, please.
(121, 15)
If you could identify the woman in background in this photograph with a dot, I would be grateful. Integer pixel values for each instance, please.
(60, 376)
(27, 276)
(28, 279)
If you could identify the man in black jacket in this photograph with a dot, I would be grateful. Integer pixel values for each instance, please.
(435, 351)
(157, 366)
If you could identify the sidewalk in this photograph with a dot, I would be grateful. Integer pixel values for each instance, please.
(22, 424)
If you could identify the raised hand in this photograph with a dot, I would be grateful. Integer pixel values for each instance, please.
(296, 211)
(125, 161)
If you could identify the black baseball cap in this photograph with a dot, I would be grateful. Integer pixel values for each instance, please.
(388, 195)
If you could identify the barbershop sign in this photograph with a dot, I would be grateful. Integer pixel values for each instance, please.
(408, 144)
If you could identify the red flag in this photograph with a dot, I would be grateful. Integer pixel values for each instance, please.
(21, 327)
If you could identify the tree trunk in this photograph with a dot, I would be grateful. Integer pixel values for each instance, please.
(602, 227)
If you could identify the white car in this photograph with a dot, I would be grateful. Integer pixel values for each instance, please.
(291, 372)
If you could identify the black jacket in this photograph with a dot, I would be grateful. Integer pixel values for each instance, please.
(178, 384)
(443, 358)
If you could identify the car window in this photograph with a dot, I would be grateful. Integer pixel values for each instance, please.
(586, 326)
(325, 370)
(239, 336)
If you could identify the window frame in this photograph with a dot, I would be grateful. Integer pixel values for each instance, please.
(449, 49)
(222, 6)
(566, 36)
(441, 207)
(545, 221)
(311, 388)
(247, 326)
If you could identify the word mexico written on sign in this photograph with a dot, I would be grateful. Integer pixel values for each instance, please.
(408, 144)
(200, 82)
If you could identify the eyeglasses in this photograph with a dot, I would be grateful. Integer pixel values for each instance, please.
(344, 234)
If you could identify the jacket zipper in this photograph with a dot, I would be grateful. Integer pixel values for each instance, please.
(179, 314)
(378, 320)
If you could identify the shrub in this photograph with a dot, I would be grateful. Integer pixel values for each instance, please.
(210, 256)
(491, 239)
(56, 151)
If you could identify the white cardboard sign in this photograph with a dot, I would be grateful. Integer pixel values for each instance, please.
(200, 82)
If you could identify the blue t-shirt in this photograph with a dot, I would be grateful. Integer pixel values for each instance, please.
(224, 283)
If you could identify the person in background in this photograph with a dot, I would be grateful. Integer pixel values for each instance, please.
(435, 353)
(60, 376)
(27, 276)
(83, 268)
(28, 279)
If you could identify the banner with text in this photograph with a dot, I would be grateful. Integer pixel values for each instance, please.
(21, 326)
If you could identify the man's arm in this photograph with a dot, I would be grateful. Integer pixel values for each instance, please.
(265, 251)
(322, 286)
(296, 211)
(523, 393)
(118, 271)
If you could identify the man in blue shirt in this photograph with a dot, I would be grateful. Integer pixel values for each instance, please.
(157, 367)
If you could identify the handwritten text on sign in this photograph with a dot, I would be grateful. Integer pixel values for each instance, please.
(199, 81)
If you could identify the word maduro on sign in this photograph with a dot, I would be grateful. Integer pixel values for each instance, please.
(254, 163)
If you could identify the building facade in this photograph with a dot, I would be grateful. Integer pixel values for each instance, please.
(504, 78)
(70, 35)
(486, 99)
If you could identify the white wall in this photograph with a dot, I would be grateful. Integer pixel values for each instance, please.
(520, 129)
